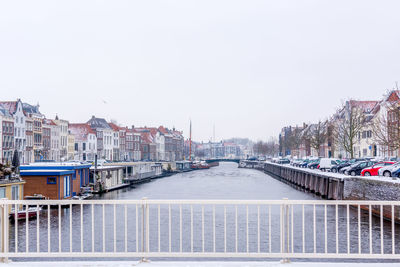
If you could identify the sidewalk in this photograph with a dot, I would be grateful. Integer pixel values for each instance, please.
(191, 264)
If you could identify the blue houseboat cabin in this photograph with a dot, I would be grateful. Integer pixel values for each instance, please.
(69, 178)
(53, 184)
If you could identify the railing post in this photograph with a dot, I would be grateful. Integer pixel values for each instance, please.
(4, 231)
(285, 233)
(145, 229)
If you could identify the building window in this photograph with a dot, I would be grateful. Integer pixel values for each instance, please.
(2, 192)
(15, 192)
(51, 180)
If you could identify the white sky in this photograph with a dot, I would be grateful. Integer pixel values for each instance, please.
(249, 67)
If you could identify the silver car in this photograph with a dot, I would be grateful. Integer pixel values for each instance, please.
(387, 170)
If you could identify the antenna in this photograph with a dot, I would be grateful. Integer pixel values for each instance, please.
(190, 141)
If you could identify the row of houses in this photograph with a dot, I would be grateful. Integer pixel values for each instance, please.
(358, 129)
(214, 150)
(23, 128)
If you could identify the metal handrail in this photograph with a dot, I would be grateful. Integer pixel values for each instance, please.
(150, 228)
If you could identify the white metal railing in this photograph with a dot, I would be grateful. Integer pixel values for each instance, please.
(202, 229)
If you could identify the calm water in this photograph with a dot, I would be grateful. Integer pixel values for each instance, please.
(223, 182)
(226, 181)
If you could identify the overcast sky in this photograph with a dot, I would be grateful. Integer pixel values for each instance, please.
(249, 67)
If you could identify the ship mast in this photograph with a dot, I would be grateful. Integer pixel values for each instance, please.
(190, 142)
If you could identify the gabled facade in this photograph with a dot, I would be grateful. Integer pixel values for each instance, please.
(116, 142)
(29, 156)
(105, 137)
(85, 141)
(15, 108)
(63, 137)
(7, 135)
(37, 118)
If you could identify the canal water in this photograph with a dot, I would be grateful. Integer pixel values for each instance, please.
(171, 227)
(226, 181)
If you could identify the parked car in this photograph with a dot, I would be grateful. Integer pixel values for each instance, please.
(373, 170)
(356, 168)
(294, 162)
(326, 164)
(304, 163)
(343, 165)
(396, 172)
(387, 170)
(313, 164)
(283, 161)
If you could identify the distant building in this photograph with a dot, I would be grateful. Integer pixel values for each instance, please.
(63, 137)
(115, 141)
(15, 108)
(85, 141)
(7, 135)
(105, 137)
(71, 146)
(37, 118)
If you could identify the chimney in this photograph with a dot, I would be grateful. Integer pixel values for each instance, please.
(133, 127)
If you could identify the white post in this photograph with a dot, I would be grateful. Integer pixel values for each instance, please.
(145, 229)
(4, 230)
(285, 237)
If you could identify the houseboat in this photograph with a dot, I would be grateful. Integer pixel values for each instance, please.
(55, 180)
(106, 178)
(183, 166)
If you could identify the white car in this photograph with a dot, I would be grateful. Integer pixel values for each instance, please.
(387, 170)
(327, 163)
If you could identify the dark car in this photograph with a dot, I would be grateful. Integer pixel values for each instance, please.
(356, 168)
(343, 164)
(313, 164)
(304, 163)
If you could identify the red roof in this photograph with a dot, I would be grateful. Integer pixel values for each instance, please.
(163, 130)
(10, 105)
(80, 130)
(152, 130)
(146, 137)
(367, 106)
(115, 127)
(49, 122)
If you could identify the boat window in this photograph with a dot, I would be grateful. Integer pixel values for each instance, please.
(67, 183)
(51, 180)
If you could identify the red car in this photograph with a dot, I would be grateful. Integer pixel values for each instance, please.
(373, 170)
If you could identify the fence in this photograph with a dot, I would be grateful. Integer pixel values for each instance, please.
(201, 229)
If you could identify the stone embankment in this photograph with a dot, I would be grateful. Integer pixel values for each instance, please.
(337, 186)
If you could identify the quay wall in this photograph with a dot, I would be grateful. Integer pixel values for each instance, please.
(338, 186)
(374, 188)
(323, 184)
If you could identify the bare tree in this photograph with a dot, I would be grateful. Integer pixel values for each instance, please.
(317, 135)
(296, 139)
(386, 126)
(349, 125)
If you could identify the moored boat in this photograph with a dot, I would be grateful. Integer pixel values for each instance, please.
(22, 214)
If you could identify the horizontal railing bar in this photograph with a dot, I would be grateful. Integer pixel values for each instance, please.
(200, 202)
(201, 254)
